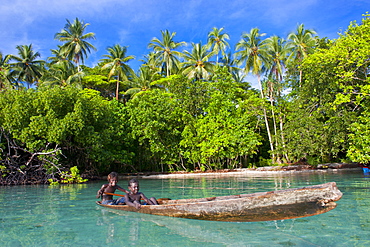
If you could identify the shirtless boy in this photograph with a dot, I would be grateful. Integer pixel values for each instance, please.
(133, 197)
(110, 187)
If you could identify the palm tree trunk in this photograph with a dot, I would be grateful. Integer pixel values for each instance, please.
(266, 121)
(283, 139)
(167, 70)
(274, 123)
(117, 87)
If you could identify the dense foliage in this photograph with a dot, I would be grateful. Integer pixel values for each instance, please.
(184, 110)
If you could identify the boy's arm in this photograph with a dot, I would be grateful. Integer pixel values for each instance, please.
(145, 199)
(130, 203)
(101, 191)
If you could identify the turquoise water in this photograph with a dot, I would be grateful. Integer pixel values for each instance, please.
(67, 215)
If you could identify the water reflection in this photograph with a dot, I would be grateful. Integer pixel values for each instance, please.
(219, 233)
(72, 190)
(131, 228)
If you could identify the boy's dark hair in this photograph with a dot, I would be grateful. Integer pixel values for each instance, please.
(112, 175)
(133, 180)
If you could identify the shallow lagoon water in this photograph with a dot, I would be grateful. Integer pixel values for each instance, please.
(67, 215)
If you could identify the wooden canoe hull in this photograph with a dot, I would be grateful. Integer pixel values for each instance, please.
(261, 206)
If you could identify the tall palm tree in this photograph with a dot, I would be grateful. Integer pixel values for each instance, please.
(167, 56)
(217, 42)
(278, 51)
(196, 64)
(252, 51)
(25, 67)
(116, 61)
(302, 42)
(75, 46)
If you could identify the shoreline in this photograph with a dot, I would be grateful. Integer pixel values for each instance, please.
(260, 171)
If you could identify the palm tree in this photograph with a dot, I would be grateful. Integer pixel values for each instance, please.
(58, 56)
(116, 61)
(150, 62)
(167, 56)
(252, 51)
(142, 80)
(75, 46)
(302, 43)
(196, 64)
(62, 74)
(5, 78)
(231, 64)
(61, 71)
(26, 68)
(278, 51)
(217, 42)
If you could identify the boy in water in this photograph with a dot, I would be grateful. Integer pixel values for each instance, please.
(110, 188)
(133, 197)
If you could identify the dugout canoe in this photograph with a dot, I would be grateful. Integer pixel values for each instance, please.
(260, 206)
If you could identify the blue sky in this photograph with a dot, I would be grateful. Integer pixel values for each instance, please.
(134, 23)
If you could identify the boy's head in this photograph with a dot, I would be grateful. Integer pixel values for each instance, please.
(133, 185)
(113, 178)
(113, 175)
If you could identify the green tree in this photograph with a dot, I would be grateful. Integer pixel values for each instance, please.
(196, 123)
(223, 134)
(75, 46)
(116, 61)
(217, 42)
(197, 65)
(25, 67)
(313, 136)
(98, 80)
(81, 126)
(341, 72)
(166, 54)
(155, 120)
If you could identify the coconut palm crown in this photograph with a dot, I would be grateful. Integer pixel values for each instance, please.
(75, 46)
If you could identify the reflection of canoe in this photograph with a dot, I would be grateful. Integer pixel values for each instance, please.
(261, 206)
